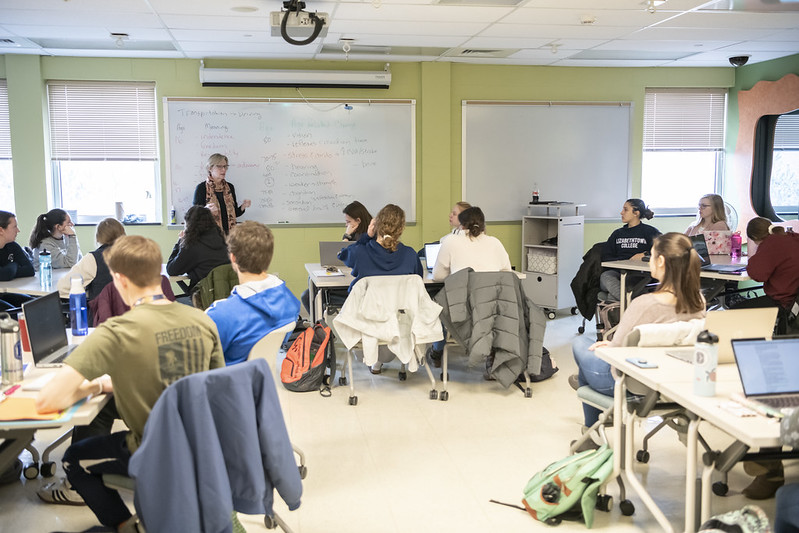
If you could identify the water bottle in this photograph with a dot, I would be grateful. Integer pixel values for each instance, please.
(78, 313)
(45, 271)
(535, 193)
(706, 358)
(735, 245)
(173, 216)
(10, 350)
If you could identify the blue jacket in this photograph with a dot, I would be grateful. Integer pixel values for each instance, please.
(242, 322)
(14, 262)
(367, 258)
(214, 442)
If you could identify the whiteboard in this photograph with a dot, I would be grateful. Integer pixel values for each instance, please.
(299, 162)
(575, 152)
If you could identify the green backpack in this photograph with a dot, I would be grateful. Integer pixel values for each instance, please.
(569, 487)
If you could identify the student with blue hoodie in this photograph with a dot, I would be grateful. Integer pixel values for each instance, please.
(260, 303)
(379, 252)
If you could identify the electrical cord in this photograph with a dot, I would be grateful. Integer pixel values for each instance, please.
(296, 6)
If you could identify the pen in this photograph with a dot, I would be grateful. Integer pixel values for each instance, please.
(8, 392)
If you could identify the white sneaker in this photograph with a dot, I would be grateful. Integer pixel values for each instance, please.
(60, 492)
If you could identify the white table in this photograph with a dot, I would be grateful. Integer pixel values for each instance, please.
(674, 380)
(30, 285)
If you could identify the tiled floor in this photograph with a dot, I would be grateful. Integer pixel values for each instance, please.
(399, 462)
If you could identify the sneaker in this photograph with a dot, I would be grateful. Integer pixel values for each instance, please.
(434, 356)
(60, 492)
(763, 487)
(574, 381)
(376, 368)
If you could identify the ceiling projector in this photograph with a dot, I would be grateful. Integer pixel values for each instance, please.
(299, 24)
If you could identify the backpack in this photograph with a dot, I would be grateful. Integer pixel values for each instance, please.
(308, 360)
(749, 519)
(569, 488)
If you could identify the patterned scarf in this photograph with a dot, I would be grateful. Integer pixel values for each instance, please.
(210, 197)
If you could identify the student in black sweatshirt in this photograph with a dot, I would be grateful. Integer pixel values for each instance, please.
(200, 247)
(631, 241)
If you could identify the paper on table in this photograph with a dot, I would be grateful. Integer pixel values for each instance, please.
(323, 272)
(23, 409)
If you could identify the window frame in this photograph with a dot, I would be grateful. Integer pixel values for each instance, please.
(5, 142)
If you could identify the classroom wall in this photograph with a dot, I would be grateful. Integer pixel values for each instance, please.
(438, 89)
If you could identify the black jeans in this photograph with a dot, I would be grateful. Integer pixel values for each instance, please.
(106, 503)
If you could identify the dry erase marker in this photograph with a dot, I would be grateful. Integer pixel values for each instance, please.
(8, 392)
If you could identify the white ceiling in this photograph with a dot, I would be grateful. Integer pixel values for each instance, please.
(534, 32)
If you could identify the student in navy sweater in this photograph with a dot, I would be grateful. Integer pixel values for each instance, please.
(14, 261)
(379, 252)
(631, 241)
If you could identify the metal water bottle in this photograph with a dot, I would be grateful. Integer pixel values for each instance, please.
(78, 313)
(706, 358)
(10, 350)
(45, 270)
(735, 245)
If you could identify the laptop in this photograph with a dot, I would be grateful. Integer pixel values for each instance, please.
(733, 324)
(47, 331)
(700, 246)
(431, 254)
(769, 370)
(328, 253)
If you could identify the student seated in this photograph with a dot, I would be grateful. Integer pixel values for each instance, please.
(710, 216)
(54, 232)
(14, 260)
(200, 247)
(143, 351)
(676, 266)
(454, 220)
(260, 303)
(92, 267)
(631, 241)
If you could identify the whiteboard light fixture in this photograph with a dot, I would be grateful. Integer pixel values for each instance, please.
(235, 77)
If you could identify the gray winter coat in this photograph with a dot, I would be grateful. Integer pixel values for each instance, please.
(489, 311)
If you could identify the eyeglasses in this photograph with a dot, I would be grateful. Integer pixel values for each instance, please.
(222, 166)
(704, 206)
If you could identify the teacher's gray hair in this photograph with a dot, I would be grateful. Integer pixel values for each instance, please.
(215, 159)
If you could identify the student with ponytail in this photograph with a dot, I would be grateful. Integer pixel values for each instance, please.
(55, 232)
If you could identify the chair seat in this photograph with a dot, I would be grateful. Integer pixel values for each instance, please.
(592, 397)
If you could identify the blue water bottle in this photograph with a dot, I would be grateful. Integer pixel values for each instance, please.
(78, 313)
(45, 271)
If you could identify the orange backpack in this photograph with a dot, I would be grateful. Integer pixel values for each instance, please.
(310, 362)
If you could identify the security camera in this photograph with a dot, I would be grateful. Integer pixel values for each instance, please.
(739, 61)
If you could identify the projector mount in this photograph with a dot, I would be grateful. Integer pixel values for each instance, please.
(297, 6)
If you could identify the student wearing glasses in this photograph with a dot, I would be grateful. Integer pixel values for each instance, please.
(218, 195)
(710, 216)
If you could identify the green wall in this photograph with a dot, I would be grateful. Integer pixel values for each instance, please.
(438, 89)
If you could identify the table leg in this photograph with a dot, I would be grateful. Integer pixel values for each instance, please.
(623, 293)
(313, 311)
(690, 476)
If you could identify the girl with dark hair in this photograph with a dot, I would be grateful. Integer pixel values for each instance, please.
(55, 232)
(357, 219)
(676, 266)
(218, 195)
(631, 241)
(470, 247)
(14, 261)
(200, 248)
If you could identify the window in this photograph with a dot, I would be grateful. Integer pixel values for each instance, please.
(683, 147)
(6, 172)
(104, 149)
(784, 185)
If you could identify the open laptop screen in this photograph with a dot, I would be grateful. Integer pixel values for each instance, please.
(768, 367)
(46, 325)
(431, 254)
(699, 244)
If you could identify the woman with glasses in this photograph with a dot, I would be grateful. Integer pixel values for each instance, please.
(218, 195)
(55, 232)
(710, 217)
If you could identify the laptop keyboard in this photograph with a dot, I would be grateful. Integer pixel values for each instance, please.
(779, 402)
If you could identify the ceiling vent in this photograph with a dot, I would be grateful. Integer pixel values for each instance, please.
(481, 52)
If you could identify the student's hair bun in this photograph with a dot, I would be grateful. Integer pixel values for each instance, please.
(643, 211)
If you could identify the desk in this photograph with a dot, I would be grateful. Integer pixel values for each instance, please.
(30, 285)
(674, 380)
(630, 265)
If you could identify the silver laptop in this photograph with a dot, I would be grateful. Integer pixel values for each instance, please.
(733, 324)
(700, 246)
(769, 370)
(328, 253)
(431, 254)
(47, 331)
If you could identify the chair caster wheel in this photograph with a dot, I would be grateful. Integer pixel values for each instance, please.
(720, 488)
(528, 392)
(551, 315)
(353, 400)
(627, 508)
(403, 376)
(553, 521)
(303, 471)
(444, 396)
(342, 381)
(48, 469)
(604, 503)
(581, 330)
(434, 394)
(31, 471)
(270, 522)
(642, 456)
(574, 311)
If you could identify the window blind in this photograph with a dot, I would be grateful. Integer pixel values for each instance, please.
(684, 119)
(5, 128)
(786, 134)
(102, 121)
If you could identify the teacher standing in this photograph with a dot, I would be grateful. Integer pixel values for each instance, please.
(218, 195)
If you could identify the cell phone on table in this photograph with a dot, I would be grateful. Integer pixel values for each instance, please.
(641, 362)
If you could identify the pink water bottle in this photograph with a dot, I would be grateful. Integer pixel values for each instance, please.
(735, 245)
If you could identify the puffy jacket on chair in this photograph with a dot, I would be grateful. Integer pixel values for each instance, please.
(215, 286)
(489, 311)
(585, 284)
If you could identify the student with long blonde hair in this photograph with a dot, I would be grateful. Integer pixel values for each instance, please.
(710, 216)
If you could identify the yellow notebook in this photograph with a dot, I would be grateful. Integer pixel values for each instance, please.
(23, 409)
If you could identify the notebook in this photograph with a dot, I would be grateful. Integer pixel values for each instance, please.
(431, 254)
(701, 248)
(769, 370)
(733, 324)
(46, 330)
(328, 252)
